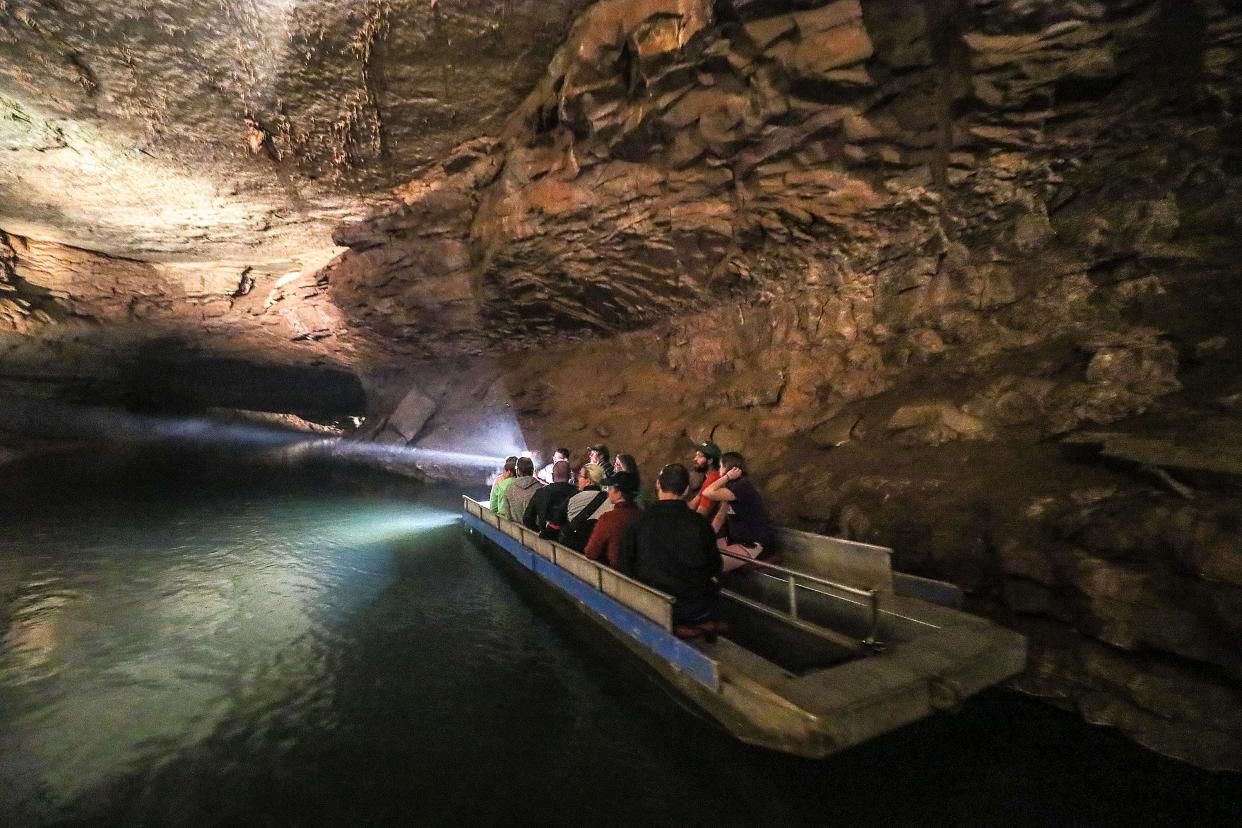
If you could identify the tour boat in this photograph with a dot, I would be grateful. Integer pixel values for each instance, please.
(824, 651)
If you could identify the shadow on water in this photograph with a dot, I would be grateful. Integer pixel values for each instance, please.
(450, 691)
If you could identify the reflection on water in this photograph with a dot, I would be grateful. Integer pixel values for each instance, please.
(127, 642)
(178, 651)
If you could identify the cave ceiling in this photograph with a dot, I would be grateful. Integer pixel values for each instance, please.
(210, 130)
(960, 276)
(367, 181)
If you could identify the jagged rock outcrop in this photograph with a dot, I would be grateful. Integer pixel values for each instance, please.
(77, 325)
(959, 275)
(208, 130)
(896, 251)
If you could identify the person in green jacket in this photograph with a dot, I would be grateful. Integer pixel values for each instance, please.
(502, 482)
(627, 463)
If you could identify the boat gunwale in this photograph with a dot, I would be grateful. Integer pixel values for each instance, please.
(901, 685)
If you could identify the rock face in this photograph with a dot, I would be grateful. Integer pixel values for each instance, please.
(206, 130)
(959, 276)
(895, 251)
(82, 326)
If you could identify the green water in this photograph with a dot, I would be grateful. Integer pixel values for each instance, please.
(185, 643)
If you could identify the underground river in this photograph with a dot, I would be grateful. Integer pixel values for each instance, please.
(184, 641)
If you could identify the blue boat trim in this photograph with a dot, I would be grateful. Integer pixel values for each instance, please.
(652, 636)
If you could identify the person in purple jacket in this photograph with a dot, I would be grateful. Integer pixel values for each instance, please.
(743, 516)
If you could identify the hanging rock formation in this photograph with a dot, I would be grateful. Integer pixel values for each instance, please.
(897, 252)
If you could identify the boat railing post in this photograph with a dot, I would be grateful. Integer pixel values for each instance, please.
(874, 631)
(793, 597)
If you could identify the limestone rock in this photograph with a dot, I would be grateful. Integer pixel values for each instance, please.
(934, 423)
(411, 414)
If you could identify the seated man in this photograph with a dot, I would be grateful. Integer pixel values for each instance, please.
(622, 488)
(520, 490)
(706, 463)
(673, 549)
(598, 453)
(590, 502)
(548, 499)
(747, 528)
(501, 483)
(545, 474)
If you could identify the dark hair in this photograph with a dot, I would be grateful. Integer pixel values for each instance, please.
(525, 467)
(673, 479)
(629, 464)
(561, 471)
(511, 464)
(732, 460)
(602, 450)
(563, 452)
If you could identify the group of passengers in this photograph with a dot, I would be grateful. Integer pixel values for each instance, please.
(705, 520)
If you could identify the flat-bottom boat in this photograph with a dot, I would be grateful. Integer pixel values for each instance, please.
(825, 651)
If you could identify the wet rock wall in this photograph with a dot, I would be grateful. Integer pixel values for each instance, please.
(959, 278)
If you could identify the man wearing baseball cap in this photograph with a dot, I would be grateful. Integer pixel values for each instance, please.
(622, 488)
(706, 463)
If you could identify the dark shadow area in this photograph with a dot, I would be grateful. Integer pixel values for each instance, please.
(176, 375)
(457, 699)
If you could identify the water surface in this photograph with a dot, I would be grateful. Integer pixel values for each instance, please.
(238, 647)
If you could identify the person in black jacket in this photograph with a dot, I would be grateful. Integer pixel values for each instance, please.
(673, 549)
(545, 502)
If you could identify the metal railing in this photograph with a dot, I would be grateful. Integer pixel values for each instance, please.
(792, 579)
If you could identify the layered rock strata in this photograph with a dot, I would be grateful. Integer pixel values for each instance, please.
(897, 252)
(960, 276)
(83, 326)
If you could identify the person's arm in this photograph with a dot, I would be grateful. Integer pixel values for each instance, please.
(702, 505)
(627, 549)
(715, 559)
(559, 516)
(718, 491)
(596, 544)
(530, 518)
(494, 501)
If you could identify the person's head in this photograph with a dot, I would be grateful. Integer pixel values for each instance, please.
(599, 454)
(732, 460)
(625, 463)
(591, 474)
(561, 471)
(622, 487)
(525, 467)
(672, 481)
(706, 457)
(510, 466)
(560, 454)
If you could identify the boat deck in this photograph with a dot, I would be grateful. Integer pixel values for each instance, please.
(822, 654)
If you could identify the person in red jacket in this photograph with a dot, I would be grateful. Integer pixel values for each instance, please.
(622, 488)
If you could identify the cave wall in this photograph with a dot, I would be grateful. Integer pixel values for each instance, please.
(81, 326)
(959, 277)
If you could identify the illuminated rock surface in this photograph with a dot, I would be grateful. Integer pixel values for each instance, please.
(908, 256)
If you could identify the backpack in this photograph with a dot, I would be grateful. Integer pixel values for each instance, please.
(578, 532)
